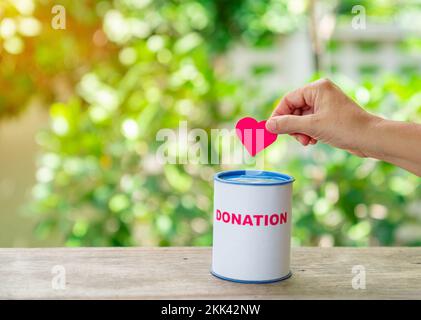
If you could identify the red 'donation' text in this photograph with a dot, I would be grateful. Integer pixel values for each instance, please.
(252, 219)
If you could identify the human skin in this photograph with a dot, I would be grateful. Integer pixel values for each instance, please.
(320, 111)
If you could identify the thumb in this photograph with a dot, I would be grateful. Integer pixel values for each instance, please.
(290, 124)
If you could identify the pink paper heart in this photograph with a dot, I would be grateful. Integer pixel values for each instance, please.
(253, 135)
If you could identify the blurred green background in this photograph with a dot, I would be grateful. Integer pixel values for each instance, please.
(80, 108)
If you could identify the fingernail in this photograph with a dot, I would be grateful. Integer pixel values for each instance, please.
(271, 125)
(303, 140)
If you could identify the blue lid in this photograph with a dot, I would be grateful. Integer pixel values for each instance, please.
(253, 177)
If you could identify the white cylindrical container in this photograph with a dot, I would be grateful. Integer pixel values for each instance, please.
(252, 226)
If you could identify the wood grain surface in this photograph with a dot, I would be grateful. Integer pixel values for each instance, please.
(183, 273)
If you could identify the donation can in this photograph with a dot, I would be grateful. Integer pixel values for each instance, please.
(252, 226)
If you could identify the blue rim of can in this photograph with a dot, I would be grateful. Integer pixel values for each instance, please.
(251, 281)
(253, 174)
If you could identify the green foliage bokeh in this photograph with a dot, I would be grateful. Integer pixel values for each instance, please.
(99, 183)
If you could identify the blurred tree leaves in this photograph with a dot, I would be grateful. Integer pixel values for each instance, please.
(134, 67)
(41, 63)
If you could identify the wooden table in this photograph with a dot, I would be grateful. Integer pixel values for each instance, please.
(183, 273)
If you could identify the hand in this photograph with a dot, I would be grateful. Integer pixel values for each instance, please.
(321, 111)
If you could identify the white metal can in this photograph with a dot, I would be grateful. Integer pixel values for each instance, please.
(252, 226)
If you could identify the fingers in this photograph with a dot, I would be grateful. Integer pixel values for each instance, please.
(303, 138)
(290, 124)
(303, 100)
(296, 102)
(298, 113)
(313, 141)
(299, 127)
